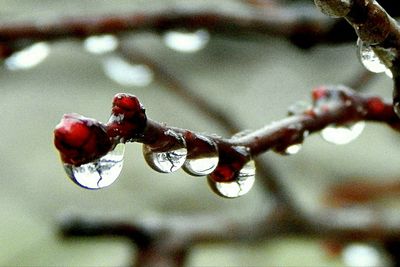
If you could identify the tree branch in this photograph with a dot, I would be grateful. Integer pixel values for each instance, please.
(304, 26)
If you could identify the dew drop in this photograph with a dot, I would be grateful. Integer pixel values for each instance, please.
(125, 73)
(359, 254)
(370, 60)
(100, 44)
(343, 134)
(28, 58)
(100, 173)
(166, 161)
(186, 42)
(293, 149)
(203, 157)
(240, 186)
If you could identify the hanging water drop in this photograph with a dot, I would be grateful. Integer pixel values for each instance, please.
(343, 134)
(166, 161)
(100, 44)
(100, 173)
(28, 57)
(125, 73)
(370, 60)
(293, 149)
(187, 42)
(202, 158)
(242, 184)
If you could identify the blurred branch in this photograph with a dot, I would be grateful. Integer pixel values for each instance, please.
(303, 24)
(172, 237)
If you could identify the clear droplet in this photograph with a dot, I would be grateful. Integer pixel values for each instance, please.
(125, 73)
(100, 44)
(343, 134)
(370, 60)
(241, 186)
(28, 58)
(100, 173)
(293, 149)
(187, 42)
(166, 161)
(204, 161)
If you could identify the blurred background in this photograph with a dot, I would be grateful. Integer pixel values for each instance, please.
(254, 80)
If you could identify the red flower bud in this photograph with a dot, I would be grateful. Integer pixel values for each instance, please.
(80, 140)
(128, 118)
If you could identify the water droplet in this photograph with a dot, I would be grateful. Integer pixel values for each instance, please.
(370, 60)
(166, 161)
(203, 156)
(240, 186)
(293, 149)
(125, 73)
(28, 58)
(187, 42)
(100, 173)
(358, 254)
(343, 134)
(100, 44)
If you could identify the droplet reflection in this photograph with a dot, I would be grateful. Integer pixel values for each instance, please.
(241, 186)
(167, 161)
(100, 173)
(370, 60)
(203, 162)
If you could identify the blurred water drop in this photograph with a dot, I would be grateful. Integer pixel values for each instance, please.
(370, 60)
(187, 42)
(293, 149)
(204, 159)
(28, 58)
(240, 186)
(342, 134)
(100, 44)
(125, 73)
(100, 173)
(167, 161)
(363, 255)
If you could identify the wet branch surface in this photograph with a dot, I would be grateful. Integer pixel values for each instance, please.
(166, 241)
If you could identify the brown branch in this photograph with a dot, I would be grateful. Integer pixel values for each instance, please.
(81, 140)
(375, 27)
(360, 192)
(171, 237)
